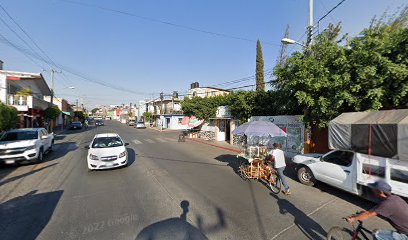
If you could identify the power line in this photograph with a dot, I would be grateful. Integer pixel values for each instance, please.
(331, 10)
(50, 60)
(68, 70)
(218, 34)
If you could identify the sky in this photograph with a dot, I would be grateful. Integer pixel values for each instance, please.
(130, 50)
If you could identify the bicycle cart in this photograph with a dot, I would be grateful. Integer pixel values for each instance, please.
(254, 165)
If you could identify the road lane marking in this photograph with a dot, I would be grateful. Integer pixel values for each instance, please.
(149, 140)
(161, 140)
(135, 141)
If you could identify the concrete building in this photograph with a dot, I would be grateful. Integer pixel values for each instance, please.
(197, 91)
(167, 113)
(25, 91)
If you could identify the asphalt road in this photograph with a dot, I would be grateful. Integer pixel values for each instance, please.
(170, 190)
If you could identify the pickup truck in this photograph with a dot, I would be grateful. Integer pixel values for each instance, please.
(28, 144)
(352, 172)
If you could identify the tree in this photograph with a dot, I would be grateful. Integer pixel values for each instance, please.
(8, 117)
(260, 82)
(370, 72)
(93, 111)
(80, 115)
(318, 81)
(51, 113)
(203, 108)
(147, 116)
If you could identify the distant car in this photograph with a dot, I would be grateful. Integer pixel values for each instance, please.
(131, 123)
(27, 144)
(140, 125)
(99, 123)
(75, 125)
(106, 151)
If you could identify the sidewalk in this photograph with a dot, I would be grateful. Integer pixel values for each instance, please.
(221, 145)
(164, 130)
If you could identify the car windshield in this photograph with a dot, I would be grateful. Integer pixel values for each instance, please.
(107, 142)
(76, 123)
(19, 136)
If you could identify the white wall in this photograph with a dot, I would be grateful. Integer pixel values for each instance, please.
(3, 89)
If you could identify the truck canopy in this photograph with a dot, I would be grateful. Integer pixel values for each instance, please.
(379, 133)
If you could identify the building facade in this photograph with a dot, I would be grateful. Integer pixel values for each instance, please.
(25, 92)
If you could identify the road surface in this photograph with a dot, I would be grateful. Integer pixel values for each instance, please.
(170, 190)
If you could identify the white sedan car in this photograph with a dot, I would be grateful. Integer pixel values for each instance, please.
(107, 150)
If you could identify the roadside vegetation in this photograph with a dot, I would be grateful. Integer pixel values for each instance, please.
(338, 74)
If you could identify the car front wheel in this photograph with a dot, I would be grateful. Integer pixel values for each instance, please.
(40, 157)
(306, 176)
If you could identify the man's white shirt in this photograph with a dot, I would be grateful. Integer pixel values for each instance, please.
(279, 158)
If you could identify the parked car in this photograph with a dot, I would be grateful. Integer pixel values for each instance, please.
(28, 144)
(140, 125)
(352, 172)
(106, 151)
(131, 123)
(99, 123)
(75, 125)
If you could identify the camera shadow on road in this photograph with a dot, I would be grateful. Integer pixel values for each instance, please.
(180, 228)
(26, 216)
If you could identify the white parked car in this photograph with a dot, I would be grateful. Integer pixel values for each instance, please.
(27, 144)
(352, 172)
(140, 125)
(107, 150)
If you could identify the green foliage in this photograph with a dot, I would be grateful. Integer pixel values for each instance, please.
(147, 116)
(25, 92)
(242, 104)
(203, 108)
(51, 113)
(93, 111)
(8, 117)
(370, 72)
(260, 82)
(80, 115)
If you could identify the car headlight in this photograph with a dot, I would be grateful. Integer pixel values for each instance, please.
(122, 154)
(30, 147)
(93, 157)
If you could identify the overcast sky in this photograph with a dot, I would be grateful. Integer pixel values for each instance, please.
(128, 50)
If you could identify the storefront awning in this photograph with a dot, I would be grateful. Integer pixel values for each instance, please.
(66, 113)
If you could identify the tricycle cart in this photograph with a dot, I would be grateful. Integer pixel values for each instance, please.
(255, 165)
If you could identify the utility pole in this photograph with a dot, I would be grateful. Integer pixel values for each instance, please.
(52, 71)
(310, 26)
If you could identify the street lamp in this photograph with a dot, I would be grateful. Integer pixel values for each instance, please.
(291, 41)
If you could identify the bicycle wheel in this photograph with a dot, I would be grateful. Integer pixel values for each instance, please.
(242, 172)
(339, 233)
(274, 184)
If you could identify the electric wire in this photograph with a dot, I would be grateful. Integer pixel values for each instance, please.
(165, 22)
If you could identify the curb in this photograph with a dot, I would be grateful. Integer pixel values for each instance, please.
(213, 145)
(171, 130)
